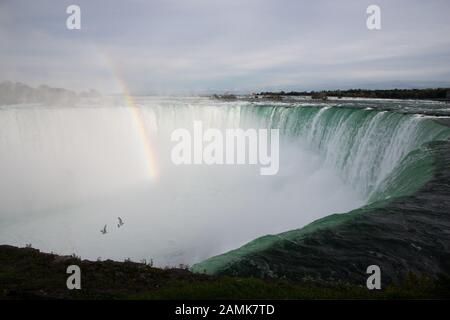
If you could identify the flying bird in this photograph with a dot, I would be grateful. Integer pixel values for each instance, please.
(103, 231)
(120, 222)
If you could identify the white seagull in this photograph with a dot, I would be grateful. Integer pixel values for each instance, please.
(120, 222)
(103, 231)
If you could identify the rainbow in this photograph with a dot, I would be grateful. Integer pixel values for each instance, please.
(138, 119)
(143, 132)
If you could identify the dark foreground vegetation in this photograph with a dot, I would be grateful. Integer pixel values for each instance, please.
(26, 273)
(428, 94)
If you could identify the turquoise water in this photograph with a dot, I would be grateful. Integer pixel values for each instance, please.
(335, 157)
(383, 154)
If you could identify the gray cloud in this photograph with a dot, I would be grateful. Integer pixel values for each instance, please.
(200, 45)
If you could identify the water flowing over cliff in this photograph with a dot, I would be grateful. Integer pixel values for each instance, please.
(68, 171)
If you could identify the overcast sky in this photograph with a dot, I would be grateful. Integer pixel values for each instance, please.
(245, 45)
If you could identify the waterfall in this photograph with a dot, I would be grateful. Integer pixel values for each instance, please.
(68, 171)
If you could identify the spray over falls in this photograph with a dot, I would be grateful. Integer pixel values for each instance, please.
(67, 171)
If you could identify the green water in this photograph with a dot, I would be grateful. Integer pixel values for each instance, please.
(384, 155)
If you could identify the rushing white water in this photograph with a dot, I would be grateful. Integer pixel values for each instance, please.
(66, 172)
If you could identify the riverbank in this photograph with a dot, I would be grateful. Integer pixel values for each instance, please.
(27, 273)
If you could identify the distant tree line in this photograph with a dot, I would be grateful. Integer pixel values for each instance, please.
(437, 93)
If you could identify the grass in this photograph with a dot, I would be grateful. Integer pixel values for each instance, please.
(251, 288)
(26, 273)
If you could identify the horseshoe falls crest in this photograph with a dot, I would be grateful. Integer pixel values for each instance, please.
(68, 171)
